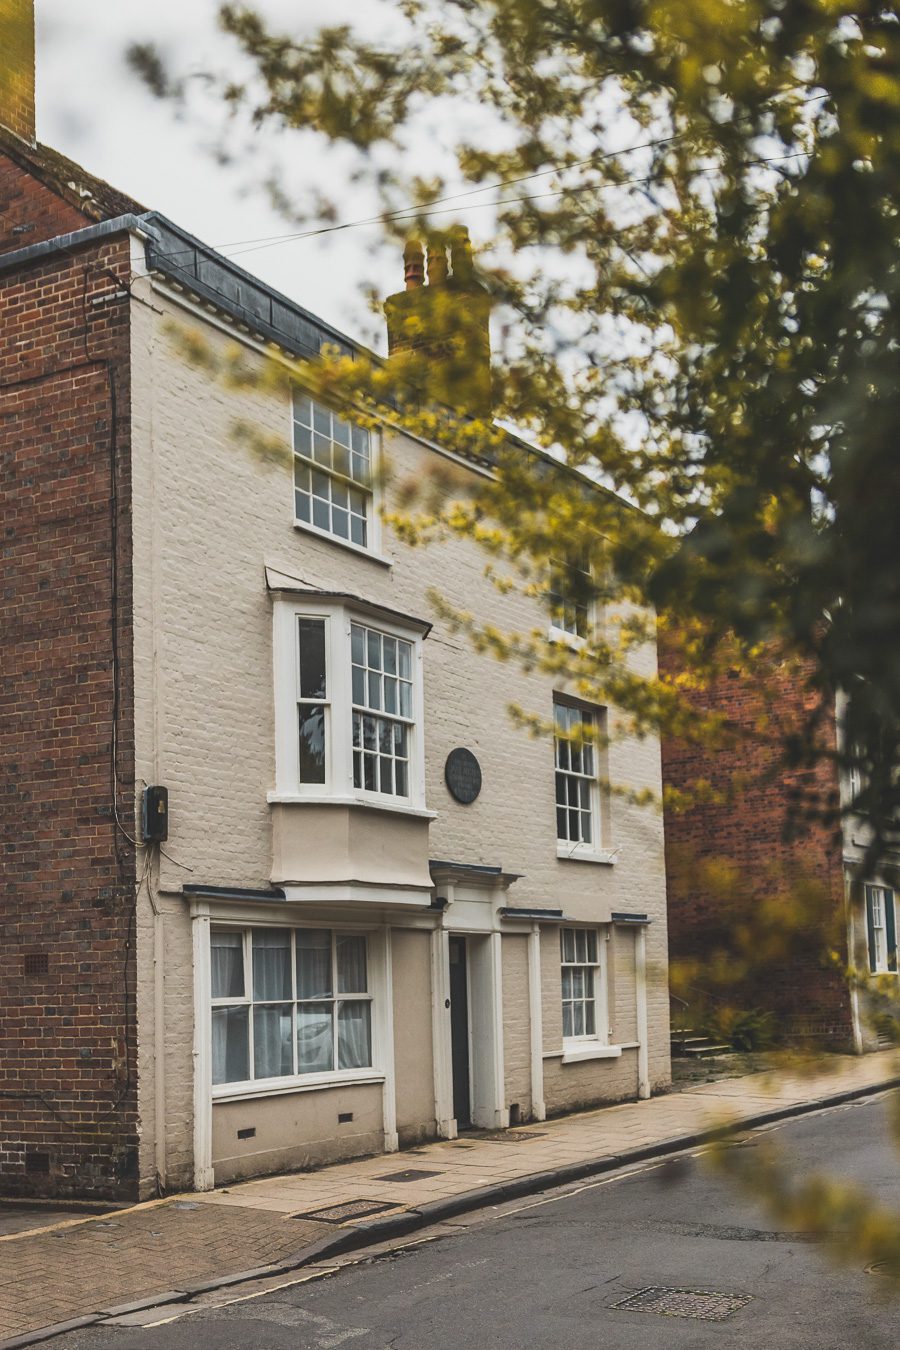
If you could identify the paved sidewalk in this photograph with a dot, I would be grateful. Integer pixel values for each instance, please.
(174, 1250)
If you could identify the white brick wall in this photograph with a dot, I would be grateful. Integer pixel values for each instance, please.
(208, 517)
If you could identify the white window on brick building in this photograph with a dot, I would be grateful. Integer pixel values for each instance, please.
(569, 597)
(881, 929)
(578, 731)
(332, 473)
(348, 704)
(584, 1011)
(288, 1003)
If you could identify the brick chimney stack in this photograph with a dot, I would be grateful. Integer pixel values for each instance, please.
(447, 321)
(17, 68)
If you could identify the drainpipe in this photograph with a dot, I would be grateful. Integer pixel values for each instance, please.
(640, 993)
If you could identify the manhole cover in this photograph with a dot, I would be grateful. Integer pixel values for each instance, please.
(410, 1174)
(348, 1209)
(700, 1303)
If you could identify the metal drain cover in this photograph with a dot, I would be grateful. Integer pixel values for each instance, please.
(347, 1209)
(703, 1304)
(409, 1174)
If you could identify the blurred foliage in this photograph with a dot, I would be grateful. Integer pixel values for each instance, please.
(695, 256)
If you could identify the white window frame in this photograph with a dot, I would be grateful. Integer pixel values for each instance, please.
(371, 490)
(588, 1045)
(581, 849)
(338, 786)
(881, 896)
(559, 631)
(296, 1081)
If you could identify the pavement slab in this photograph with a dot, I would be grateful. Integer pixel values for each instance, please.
(131, 1261)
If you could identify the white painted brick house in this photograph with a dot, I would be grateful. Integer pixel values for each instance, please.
(357, 960)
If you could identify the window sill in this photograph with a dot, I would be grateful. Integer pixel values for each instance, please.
(343, 543)
(606, 856)
(577, 1051)
(321, 799)
(561, 635)
(280, 1087)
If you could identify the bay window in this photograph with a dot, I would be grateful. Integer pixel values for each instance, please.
(288, 1002)
(348, 695)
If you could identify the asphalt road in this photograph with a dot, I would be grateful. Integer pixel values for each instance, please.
(546, 1271)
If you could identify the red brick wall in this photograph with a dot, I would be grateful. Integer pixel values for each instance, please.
(67, 881)
(771, 844)
(30, 212)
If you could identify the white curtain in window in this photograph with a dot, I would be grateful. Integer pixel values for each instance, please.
(351, 965)
(354, 1036)
(227, 953)
(315, 1038)
(314, 963)
(230, 1047)
(273, 1040)
(271, 963)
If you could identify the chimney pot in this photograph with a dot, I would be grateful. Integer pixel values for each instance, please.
(413, 265)
(461, 254)
(437, 263)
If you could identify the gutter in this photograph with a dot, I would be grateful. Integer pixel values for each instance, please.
(64, 243)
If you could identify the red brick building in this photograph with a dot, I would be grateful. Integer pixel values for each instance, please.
(769, 842)
(66, 755)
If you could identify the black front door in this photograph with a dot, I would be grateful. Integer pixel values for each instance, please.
(459, 1031)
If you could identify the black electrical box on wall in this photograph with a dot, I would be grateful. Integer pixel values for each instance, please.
(155, 815)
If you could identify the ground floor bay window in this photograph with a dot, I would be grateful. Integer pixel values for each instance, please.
(287, 1003)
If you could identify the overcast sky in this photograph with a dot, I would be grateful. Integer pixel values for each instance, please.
(93, 109)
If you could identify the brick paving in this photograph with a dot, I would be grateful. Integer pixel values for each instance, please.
(82, 1266)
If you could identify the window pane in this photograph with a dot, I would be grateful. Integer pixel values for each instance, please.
(390, 655)
(567, 982)
(568, 1020)
(230, 1045)
(227, 957)
(314, 963)
(405, 699)
(359, 685)
(358, 645)
(404, 651)
(577, 1019)
(592, 946)
(321, 517)
(271, 963)
(358, 531)
(373, 649)
(580, 945)
(315, 1038)
(340, 523)
(374, 689)
(312, 743)
(401, 786)
(590, 1024)
(568, 944)
(354, 1036)
(351, 964)
(302, 508)
(273, 1054)
(340, 431)
(322, 419)
(312, 658)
